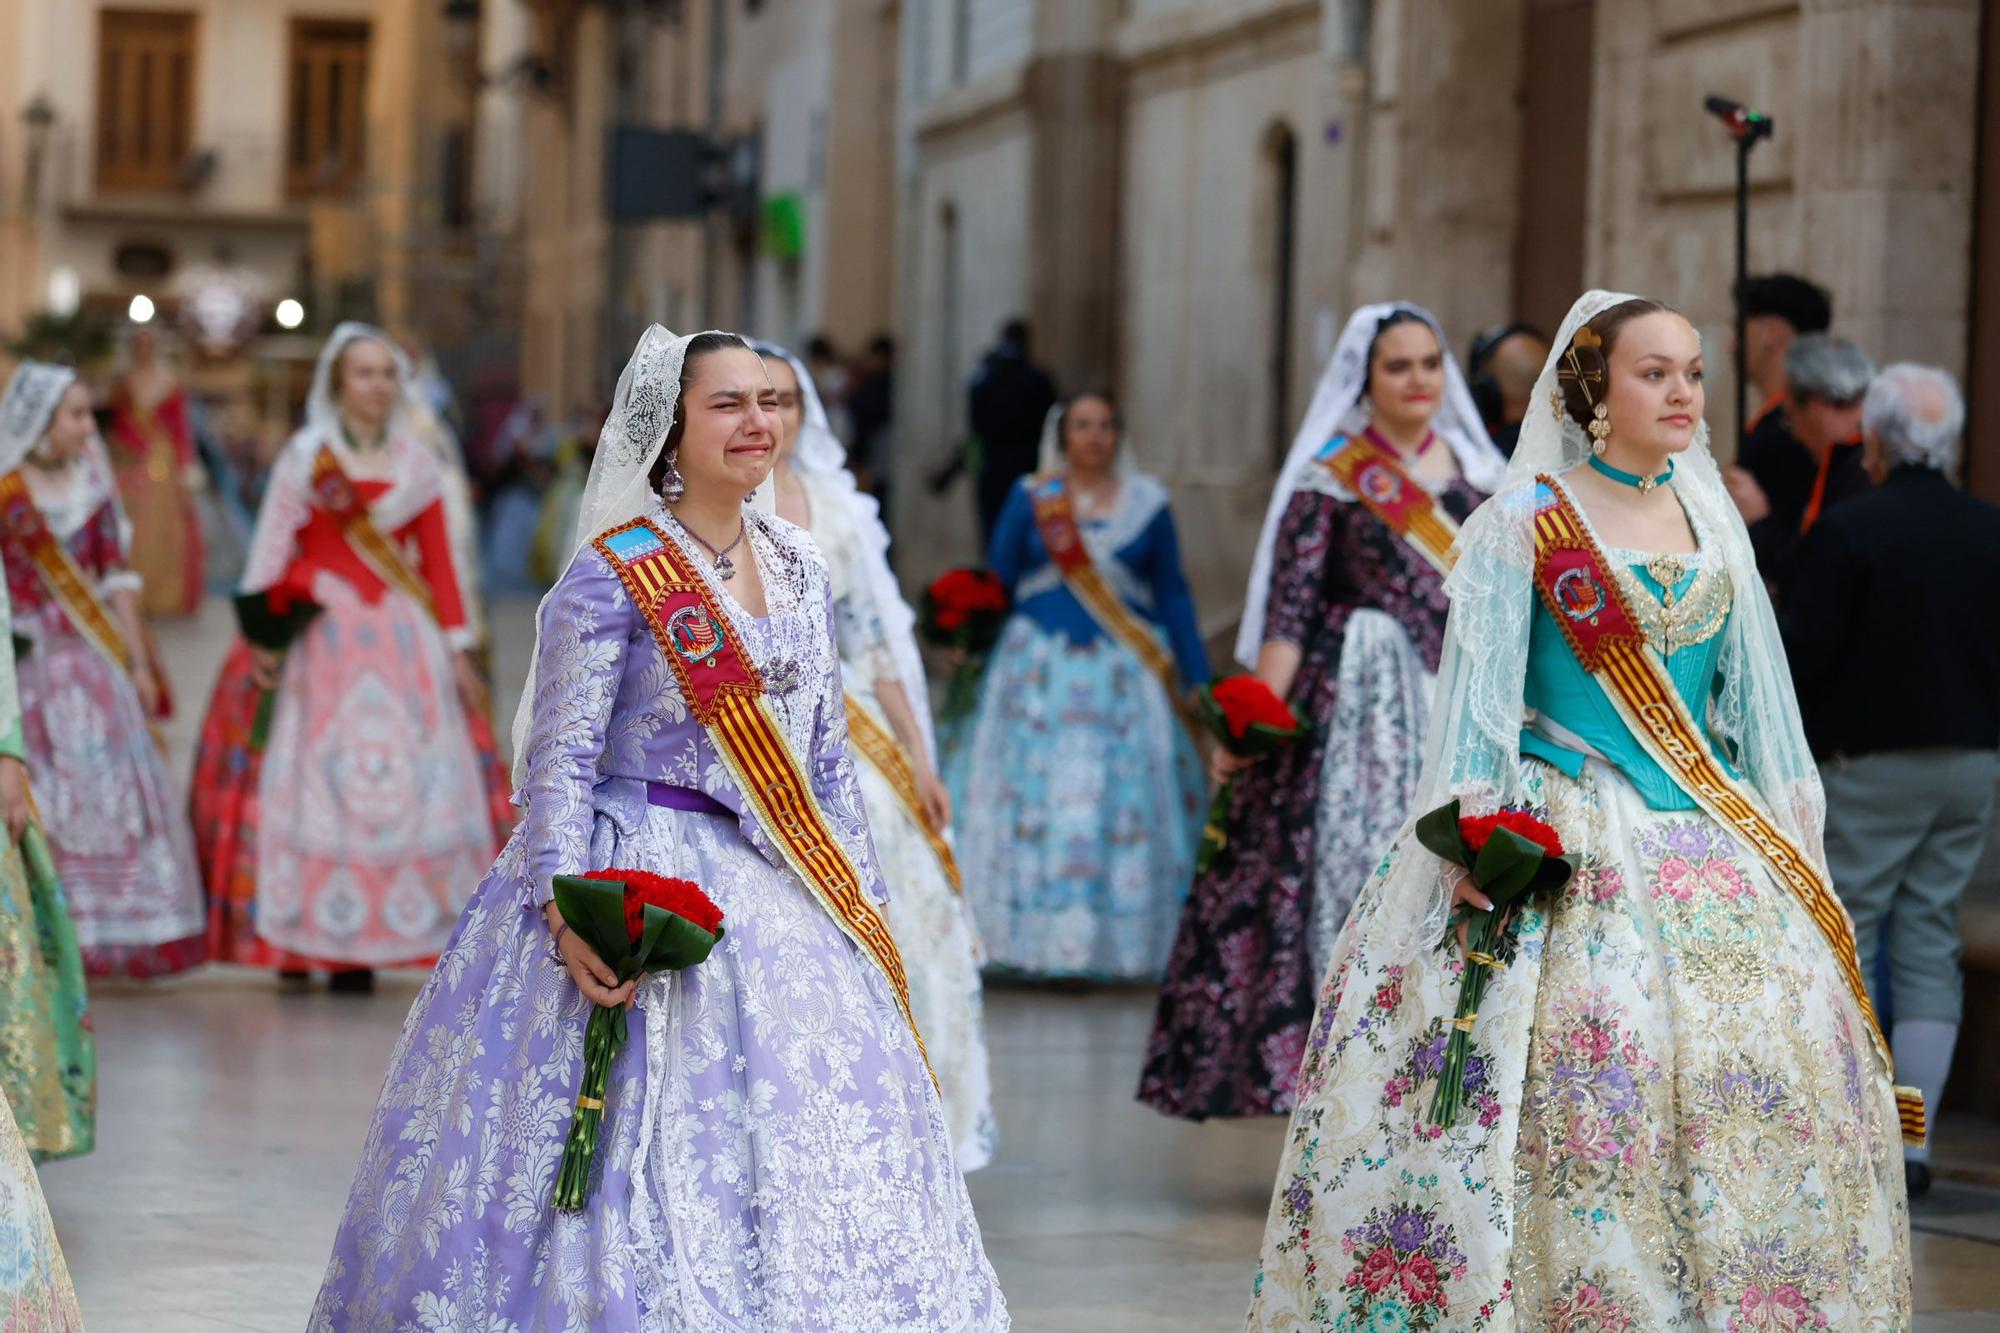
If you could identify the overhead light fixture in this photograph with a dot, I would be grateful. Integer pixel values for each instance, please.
(141, 309)
(290, 314)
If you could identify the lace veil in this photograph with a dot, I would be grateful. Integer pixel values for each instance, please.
(25, 411)
(1339, 404)
(818, 452)
(1473, 743)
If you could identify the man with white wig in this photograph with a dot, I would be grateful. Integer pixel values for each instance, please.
(1892, 625)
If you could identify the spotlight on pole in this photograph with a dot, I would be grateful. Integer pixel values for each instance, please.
(1747, 126)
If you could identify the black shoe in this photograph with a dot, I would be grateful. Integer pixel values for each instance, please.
(1917, 1178)
(294, 976)
(358, 981)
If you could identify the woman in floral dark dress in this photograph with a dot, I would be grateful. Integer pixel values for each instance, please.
(1345, 620)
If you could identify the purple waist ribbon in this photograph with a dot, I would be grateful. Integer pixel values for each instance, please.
(669, 797)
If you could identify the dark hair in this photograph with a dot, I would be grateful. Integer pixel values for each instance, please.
(1581, 395)
(698, 348)
(1015, 331)
(1104, 396)
(1391, 320)
(882, 345)
(820, 348)
(1804, 305)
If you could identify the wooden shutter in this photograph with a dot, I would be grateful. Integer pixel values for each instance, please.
(145, 98)
(327, 114)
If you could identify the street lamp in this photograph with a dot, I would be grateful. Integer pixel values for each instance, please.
(40, 117)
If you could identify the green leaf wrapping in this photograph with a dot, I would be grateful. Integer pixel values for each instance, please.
(1437, 832)
(1505, 866)
(595, 910)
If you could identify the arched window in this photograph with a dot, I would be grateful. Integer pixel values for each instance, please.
(1281, 172)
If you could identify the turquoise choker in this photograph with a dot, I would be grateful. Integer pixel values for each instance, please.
(1632, 479)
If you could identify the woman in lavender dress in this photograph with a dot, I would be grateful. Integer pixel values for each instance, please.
(774, 1154)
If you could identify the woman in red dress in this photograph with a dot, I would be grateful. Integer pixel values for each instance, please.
(346, 841)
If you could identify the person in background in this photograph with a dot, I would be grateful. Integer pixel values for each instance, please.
(1906, 740)
(1825, 378)
(871, 409)
(1779, 308)
(1503, 366)
(831, 380)
(1008, 401)
(151, 439)
(1077, 786)
(88, 689)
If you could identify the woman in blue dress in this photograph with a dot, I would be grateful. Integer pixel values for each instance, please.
(1078, 788)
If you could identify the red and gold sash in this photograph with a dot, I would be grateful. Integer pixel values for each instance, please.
(1405, 508)
(334, 492)
(881, 750)
(1577, 585)
(1055, 516)
(67, 584)
(726, 693)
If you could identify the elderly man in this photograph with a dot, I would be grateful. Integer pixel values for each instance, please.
(1824, 380)
(1893, 630)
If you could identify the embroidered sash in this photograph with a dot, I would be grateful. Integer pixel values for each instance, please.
(1577, 585)
(1055, 516)
(726, 693)
(874, 743)
(67, 584)
(335, 493)
(1405, 508)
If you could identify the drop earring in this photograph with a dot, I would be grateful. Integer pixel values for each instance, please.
(672, 485)
(1600, 428)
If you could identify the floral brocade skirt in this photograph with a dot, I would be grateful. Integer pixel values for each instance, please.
(1079, 800)
(1676, 1122)
(48, 1054)
(393, 756)
(933, 929)
(773, 1156)
(35, 1291)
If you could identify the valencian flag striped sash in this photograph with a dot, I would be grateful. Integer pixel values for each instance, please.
(874, 743)
(1055, 517)
(67, 584)
(1577, 585)
(334, 492)
(723, 688)
(1386, 491)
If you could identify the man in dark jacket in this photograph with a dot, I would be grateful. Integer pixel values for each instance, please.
(1009, 398)
(1892, 625)
(1778, 309)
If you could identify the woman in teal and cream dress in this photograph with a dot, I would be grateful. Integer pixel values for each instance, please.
(1680, 1115)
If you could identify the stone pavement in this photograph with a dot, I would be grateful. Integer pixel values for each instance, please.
(232, 1113)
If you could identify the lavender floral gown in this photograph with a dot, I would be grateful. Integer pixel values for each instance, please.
(774, 1156)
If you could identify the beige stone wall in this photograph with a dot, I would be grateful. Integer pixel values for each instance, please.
(1867, 186)
(1198, 262)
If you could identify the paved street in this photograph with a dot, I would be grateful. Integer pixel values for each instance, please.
(232, 1113)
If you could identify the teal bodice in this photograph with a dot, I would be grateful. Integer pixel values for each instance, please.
(1682, 604)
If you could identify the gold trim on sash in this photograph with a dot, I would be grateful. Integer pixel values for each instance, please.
(1393, 496)
(1635, 679)
(728, 700)
(67, 583)
(1055, 517)
(874, 743)
(335, 493)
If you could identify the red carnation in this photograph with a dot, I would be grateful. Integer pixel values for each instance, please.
(1478, 830)
(1246, 701)
(679, 896)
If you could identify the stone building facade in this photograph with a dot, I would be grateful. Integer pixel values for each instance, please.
(1185, 197)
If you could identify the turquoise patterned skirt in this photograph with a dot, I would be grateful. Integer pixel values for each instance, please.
(1079, 801)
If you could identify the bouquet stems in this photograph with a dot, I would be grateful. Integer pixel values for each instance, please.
(1481, 940)
(602, 1037)
(961, 694)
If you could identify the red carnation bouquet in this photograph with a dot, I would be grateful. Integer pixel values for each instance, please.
(963, 610)
(637, 923)
(1509, 856)
(1250, 721)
